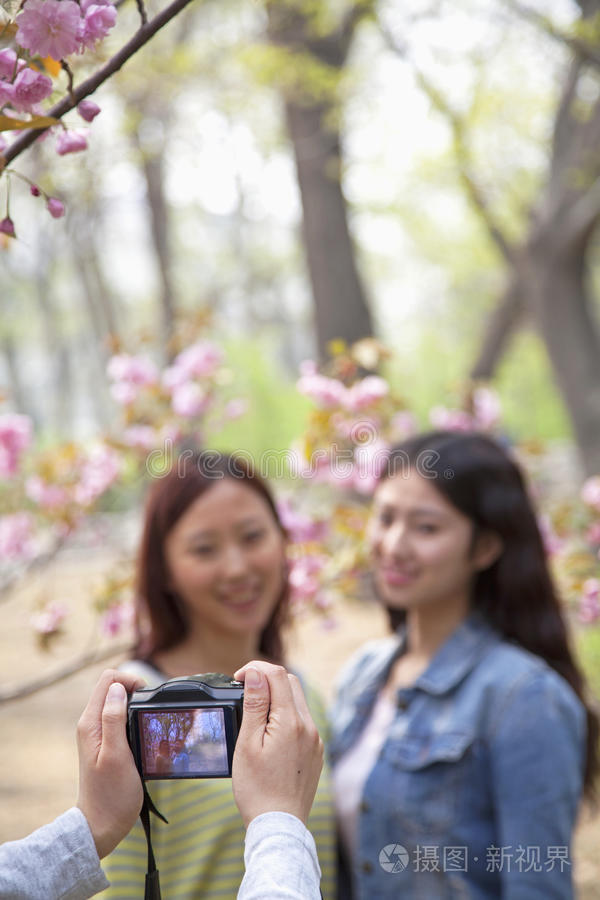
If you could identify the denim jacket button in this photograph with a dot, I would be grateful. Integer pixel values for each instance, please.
(367, 867)
(363, 806)
(402, 703)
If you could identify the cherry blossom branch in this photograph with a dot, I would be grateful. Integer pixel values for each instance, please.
(87, 87)
(17, 692)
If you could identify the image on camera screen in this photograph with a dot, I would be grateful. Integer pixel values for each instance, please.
(185, 743)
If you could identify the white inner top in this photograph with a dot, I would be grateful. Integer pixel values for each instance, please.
(353, 768)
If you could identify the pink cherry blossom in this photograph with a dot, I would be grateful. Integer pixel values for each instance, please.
(35, 191)
(326, 392)
(98, 472)
(49, 27)
(124, 393)
(30, 89)
(589, 604)
(88, 110)
(370, 460)
(133, 369)
(552, 543)
(189, 400)
(308, 367)
(451, 419)
(69, 141)
(8, 64)
(142, 437)
(365, 393)
(593, 534)
(7, 226)
(99, 18)
(201, 360)
(304, 577)
(47, 496)
(173, 376)
(403, 424)
(55, 207)
(51, 617)
(7, 93)
(590, 492)
(300, 527)
(16, 536)
(486, 407)
(15, 437)
(117, 617)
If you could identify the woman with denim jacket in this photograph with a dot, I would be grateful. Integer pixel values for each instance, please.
(462, 744)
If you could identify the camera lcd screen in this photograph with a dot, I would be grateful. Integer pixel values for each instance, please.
(183, 743)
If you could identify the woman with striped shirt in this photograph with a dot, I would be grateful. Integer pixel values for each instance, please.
(212, 594)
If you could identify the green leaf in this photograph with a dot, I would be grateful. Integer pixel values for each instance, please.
(8, 124)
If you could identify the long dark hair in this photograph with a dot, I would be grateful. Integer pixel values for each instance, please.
(191, 475)
(516, 594)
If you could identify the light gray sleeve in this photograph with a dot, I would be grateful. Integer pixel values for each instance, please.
(56, 862)
(281, 860)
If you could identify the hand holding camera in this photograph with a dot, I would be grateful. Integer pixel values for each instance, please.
(110, 792)
(279, 754)
(188, 728)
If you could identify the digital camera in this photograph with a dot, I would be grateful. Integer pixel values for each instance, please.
(186, 727)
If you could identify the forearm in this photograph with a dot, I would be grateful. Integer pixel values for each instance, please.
(281, 860)
(58, 860)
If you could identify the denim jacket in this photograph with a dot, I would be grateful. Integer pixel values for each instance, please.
(476, 788)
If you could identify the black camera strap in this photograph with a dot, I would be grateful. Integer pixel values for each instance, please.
(152, 889)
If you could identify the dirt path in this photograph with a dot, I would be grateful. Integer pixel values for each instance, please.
(38, 762)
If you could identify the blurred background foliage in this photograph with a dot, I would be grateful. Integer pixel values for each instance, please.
(278, 175)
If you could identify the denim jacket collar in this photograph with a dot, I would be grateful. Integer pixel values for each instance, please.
(457, 656)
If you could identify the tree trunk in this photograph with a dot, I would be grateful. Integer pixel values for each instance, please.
(159, 220)
(550, 271)
(559, 300)
(340, 303)
(500, 327)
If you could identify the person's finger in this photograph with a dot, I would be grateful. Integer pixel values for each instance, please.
(279, 686)
(300, 700)
(114, 717)
(257, 700)
(89, 721)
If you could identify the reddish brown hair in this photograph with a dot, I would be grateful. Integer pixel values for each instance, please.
(192, 474)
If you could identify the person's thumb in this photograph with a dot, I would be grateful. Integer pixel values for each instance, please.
(114, 716)
(256, 703)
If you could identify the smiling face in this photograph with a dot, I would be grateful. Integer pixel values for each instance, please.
(422, 547)
(225, 556)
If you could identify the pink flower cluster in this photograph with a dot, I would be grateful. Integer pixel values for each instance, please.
(50, 618)
(15, 437)
(94, 473)
(16, 536)
(58, 28)
(590, 492)
(305, 578)
(486, 413)
(130, 375)
(300, 527)
(188, 379)
(553, 544)
(99, 470)
(589, 605)
(330, 393)
(21, 87)
(117, 617)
